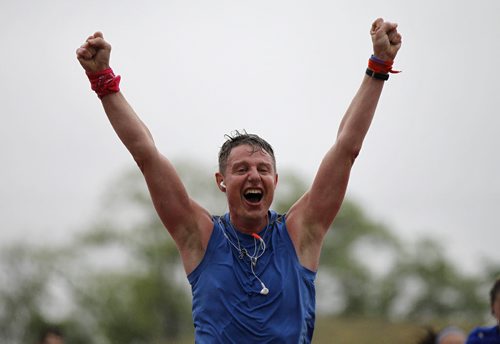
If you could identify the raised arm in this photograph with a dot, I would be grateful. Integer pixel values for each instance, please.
(188, 223)
(309, 219)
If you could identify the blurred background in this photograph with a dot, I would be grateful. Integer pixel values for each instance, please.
(416, 242)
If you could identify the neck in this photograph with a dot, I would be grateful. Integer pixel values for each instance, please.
(249, 226)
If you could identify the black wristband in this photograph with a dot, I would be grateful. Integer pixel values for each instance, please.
(378, 76)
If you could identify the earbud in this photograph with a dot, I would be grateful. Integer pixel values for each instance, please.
(264, 290)
(222, 185)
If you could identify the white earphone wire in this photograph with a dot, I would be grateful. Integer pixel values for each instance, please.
(243, 251)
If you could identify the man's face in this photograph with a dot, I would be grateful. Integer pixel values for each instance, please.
(53, 339)
(495, 307)
(454, 338)
(250, 181)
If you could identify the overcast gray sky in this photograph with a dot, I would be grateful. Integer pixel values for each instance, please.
(287, 70)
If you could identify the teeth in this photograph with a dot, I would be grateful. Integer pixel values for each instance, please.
(252, 191)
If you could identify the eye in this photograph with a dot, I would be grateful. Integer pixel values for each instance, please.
(264, 169)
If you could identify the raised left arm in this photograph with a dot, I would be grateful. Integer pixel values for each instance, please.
(310, 217)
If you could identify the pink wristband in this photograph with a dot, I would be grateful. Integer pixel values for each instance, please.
(104, 82)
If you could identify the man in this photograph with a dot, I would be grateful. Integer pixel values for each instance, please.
(448, 335)
(451, 335)
(251, 271)
(489, 335)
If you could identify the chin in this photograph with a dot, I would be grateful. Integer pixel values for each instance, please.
(256, 212)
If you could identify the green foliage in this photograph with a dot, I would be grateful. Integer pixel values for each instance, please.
(346, 258)
(130, 308)
(136, 298)
(437, 288)
(28, 273)
(123, 282)
(23, 290)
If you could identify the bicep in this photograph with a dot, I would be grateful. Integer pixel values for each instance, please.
(182, 217)
(328, 189)
(309, 219)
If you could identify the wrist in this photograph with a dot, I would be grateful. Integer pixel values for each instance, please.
(104, 82)
(379, 68)
(375, 75)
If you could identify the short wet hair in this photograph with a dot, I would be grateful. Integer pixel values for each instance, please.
(238, 138)
(50, 331)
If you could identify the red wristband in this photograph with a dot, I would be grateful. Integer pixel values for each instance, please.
(380, 66)
(104, 82)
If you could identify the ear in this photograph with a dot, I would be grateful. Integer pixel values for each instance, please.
(275, 180)
(219, 178)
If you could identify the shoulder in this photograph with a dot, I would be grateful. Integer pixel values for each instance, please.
(276, 218)
(480, 333)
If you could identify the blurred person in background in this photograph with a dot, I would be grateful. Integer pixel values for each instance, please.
(51, 335)
(491, 334)
(448, 335)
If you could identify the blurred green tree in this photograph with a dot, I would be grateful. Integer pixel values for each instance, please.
(353, 248)
(26, 295)
(123, 281)
(431, 286)
(133, 290)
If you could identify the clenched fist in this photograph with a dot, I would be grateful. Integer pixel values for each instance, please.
(386, 39)
(94, 54)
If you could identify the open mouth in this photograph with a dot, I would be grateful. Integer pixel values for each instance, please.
(253, 195)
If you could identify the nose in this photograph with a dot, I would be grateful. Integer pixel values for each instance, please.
(253, 175)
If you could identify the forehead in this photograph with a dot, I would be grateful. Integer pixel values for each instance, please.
(453, 339)
(248, 153)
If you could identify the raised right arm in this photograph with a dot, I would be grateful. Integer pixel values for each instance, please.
(188, 223)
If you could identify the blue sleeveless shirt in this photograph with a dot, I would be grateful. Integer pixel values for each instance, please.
(227, 304)
(484, 335)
